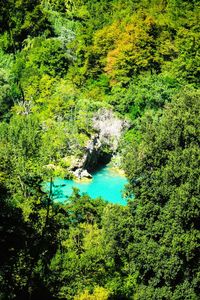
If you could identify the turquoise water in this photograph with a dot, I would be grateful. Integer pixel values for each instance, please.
(105, 183)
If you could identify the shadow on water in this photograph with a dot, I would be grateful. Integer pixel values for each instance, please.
(99, 168)
(58, 192)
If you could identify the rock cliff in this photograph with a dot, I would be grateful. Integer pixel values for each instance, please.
(102, 145)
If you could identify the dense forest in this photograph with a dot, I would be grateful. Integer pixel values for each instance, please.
(62, 62)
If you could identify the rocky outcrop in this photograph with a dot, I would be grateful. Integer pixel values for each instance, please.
(102, 145)
(93, 152)
(81, 173)
(109, 128)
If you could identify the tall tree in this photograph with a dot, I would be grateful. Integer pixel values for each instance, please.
(164, 175)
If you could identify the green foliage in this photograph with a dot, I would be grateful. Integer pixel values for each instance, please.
(83, 209)
(144, 93)
(117, 233)
(60, 62)
(21, 19)
(162, 170)
(98, 294)
(9, 92)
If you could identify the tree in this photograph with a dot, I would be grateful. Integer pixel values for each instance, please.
(21, 19)
(162, 170)
(30, 222)
(144, 93)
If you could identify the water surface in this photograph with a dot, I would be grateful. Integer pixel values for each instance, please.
(106, 183)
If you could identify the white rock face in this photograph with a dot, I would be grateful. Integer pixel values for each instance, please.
(93, 144)
(80, 173)
(85, 174)
(109, 127)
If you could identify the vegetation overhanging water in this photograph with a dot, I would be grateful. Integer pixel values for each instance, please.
(106, 183)
(76, 78)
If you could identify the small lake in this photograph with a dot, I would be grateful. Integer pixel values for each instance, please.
(106, 183)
